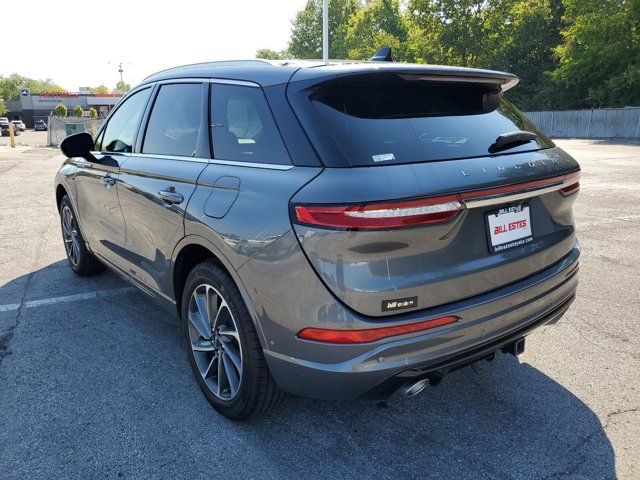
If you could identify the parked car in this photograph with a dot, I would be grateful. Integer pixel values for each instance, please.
(19, 125)
(40, 126)
(4, 122)
(5, 129)
(337, 231)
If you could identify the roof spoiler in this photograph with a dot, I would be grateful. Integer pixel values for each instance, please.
(382, 55)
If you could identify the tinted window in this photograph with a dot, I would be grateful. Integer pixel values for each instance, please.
(123, 124)
(243, 128)
(401, 119)
(175, 122)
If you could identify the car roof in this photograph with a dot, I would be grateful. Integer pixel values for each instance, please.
(274, 72)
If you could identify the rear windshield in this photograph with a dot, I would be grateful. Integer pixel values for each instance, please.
(405, 119)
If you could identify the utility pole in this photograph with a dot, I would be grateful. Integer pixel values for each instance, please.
(325, 31)
(120, 70)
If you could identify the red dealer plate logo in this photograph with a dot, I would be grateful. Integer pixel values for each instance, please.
(509, 227)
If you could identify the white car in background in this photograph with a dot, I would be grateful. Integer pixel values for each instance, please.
(19, 125)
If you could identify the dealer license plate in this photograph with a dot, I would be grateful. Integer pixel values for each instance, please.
(509, 228)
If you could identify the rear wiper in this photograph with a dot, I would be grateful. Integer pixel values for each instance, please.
(512, 138)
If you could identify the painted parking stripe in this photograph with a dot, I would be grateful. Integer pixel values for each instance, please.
(66, 298)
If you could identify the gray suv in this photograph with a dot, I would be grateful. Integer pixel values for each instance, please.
(337, 231)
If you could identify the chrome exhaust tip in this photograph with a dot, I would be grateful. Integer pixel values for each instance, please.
(411, 389)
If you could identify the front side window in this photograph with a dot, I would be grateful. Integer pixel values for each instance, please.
(123, 124)
(175, 122)
(243, 128)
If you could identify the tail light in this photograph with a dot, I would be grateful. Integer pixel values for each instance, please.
(370, 334)
(571, 184)
(381, 215)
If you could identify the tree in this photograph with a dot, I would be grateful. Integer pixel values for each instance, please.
(93, 113)
(101, 89)
(10, 86)
(269, 54)
(61, 110)
(306, 33)
(600, 55)
(378, 24)
(3, 107)
(77, 111)
(122, 87)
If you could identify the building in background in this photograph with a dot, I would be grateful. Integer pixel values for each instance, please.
(31, 107)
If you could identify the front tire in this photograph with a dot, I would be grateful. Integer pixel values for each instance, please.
(81, 260)
(223, 346)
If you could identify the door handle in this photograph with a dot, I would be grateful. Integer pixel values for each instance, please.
(108, 181)
(170, 196)
(82, 164)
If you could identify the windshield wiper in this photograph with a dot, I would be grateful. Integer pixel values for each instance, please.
(512, 138)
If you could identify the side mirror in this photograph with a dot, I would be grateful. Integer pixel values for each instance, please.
(77, 145)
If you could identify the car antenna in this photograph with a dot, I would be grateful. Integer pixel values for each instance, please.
(382, 55)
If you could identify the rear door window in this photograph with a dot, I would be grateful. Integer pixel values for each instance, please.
(404, 119)
(123, 125)
(175, 124)
(243, 128)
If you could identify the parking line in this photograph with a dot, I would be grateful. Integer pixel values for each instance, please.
(65, 299)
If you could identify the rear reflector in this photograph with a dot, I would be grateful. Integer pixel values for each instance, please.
(381, 215)
(370, 334)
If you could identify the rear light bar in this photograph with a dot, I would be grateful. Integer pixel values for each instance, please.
(571, 184)
(370, 334)
(381, 215)
(410, 213)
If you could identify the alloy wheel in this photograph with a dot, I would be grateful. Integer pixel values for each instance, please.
(70, 235)
(215, 342)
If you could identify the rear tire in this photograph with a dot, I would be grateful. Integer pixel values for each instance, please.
(81, 260)
(223, 346)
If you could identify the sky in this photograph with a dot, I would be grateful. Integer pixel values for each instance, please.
(146, 36)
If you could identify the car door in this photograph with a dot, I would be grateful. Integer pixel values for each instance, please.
(157, 183)
(101, 219)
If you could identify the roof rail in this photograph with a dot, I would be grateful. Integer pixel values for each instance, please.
(221, 63)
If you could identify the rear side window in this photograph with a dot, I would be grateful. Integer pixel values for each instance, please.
(405, 119)
(243, 128)
(123, 124)
(174, 126)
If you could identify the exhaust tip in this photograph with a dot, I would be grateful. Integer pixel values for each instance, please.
(412, 389)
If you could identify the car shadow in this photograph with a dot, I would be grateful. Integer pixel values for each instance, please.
(102, 384)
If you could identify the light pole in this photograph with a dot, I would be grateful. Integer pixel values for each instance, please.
(325, 31)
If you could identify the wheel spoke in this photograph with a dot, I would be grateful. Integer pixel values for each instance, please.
(232, 377)
(233, 354)
(198, 323)
(221, 308)
(213, 364)
(229, 333)
(221, 371)
(202, 345)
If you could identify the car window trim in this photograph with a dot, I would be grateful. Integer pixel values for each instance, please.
(130, 93)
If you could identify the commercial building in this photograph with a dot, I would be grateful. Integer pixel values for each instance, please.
(31, 107)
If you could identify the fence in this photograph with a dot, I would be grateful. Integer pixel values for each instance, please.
(60, 127)
(596, 123)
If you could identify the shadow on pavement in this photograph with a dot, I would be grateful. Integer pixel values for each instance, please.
(102, 388)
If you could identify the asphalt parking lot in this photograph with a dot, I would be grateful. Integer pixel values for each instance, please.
(94, 381)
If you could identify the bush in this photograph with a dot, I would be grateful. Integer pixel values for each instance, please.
(61, 110)
(93, 113)
(77, 111)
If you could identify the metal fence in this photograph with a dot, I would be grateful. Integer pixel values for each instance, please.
(595, 123)
(60, 127)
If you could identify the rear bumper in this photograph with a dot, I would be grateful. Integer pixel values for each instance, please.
(489, 322)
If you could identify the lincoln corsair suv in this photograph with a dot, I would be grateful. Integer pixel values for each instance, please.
(339, 231)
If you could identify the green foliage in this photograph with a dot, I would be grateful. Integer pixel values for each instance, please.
(599, 59)
(3, 107)
(61, 110)
(306, 33)
(379, 23)
(268, 54)
(93, 113)
(10, 86)
(101, 89)
(77, 111)
(122, 86)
